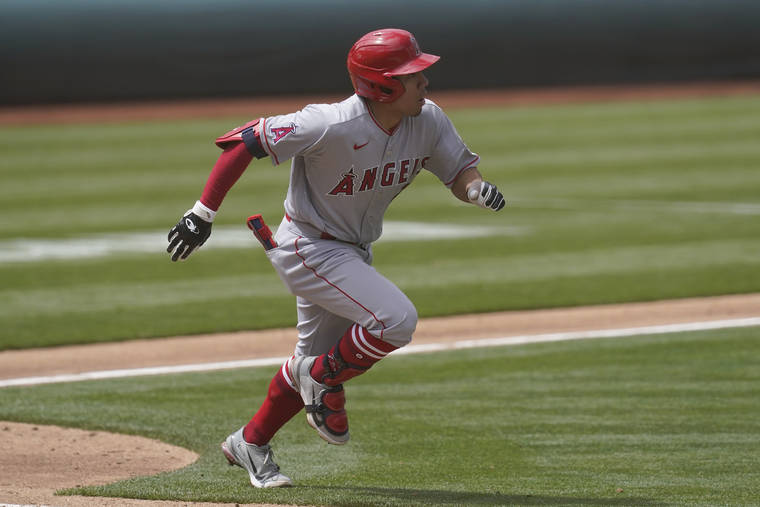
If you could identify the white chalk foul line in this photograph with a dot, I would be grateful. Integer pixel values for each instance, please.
(582, 335)
(139, 372)
(410, 349)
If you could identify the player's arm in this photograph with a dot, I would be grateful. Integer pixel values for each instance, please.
(456, 166)
(471, 188)
(193, 229)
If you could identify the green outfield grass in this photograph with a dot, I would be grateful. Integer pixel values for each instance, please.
(614, 202)
(609, 202)
(653, 420)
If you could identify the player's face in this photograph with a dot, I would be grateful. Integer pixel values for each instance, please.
(411, 102)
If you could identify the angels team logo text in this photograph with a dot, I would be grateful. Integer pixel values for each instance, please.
(280, 132)
(345, 185)
(393, 173)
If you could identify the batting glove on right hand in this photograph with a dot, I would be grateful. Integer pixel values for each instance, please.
(486, 195)
(188, 235)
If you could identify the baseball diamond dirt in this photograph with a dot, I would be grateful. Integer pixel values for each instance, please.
(80, 456)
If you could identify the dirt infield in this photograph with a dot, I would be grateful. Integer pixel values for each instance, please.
(38, 460)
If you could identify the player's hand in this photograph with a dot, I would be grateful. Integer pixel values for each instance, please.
(188, 235)
(486, 195)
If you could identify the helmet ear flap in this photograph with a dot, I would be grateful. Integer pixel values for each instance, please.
(386, 90)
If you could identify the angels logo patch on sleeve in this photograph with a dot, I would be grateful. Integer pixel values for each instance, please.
(289, 135)
(279, 132)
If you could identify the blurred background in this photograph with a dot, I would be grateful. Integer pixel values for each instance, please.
(90, 50)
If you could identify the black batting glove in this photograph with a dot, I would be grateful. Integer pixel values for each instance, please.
(486, 195)
(188, 235)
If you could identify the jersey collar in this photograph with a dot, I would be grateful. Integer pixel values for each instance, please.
(371, 115)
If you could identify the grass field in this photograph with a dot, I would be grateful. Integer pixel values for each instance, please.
(608, 202)
(657, 420)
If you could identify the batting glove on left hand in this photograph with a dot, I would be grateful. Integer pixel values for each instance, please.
(486, 195)
(188, 235)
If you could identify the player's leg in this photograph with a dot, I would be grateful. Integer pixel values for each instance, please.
(354, 352)
(281, 404)
(318, 369)
(257, 460)
(319, 380)
(249, 446)
(317, 330)
(336, 279)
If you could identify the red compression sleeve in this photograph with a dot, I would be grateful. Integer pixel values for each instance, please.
(227, 170)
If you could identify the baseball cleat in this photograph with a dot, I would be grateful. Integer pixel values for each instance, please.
(257, 460)
(325, 405)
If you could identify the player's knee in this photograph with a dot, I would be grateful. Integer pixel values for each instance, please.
(399, 332)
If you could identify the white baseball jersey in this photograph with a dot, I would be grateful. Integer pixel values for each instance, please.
(347, 168)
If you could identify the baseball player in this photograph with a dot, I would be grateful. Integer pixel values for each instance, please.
(348, 162)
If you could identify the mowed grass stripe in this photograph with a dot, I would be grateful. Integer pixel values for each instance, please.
(654, 130)
(629, 152)
(87, 297)
(643, 206)
(113, 183)
(562, 134)
(590, 114)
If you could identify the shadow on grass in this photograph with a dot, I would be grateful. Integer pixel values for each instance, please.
(373, 496)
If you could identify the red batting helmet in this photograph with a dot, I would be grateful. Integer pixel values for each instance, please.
(378, 56)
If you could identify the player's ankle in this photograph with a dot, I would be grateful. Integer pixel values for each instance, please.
(318, 370)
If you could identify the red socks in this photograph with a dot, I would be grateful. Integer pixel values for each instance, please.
(355, 353)
(281, 405)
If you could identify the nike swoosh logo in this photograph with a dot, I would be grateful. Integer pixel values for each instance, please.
(360, 146)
